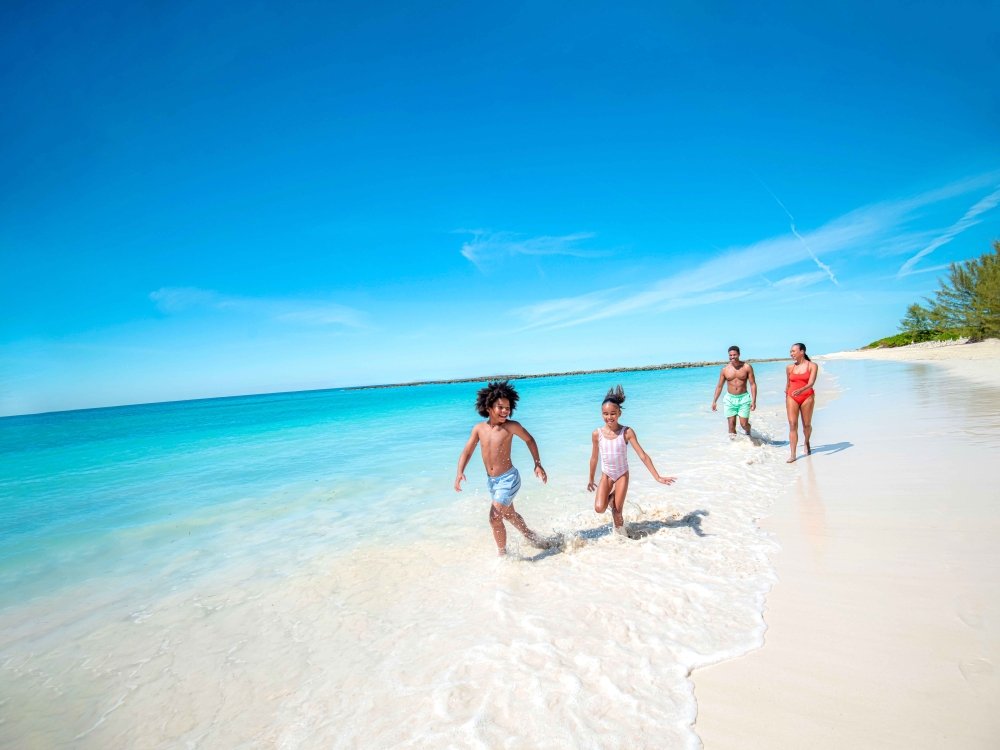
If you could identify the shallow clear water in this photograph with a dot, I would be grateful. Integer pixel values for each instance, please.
(296, 571)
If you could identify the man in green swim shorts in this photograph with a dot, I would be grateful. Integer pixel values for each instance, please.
(737, 402)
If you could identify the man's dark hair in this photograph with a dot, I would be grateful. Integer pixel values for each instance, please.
(734, 348)
(493, 392)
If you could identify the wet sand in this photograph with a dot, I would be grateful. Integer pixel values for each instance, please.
(884, 630)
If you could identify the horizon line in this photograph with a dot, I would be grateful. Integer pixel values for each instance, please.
(410, 384)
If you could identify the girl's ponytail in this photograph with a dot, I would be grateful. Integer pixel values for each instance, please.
(615, 395)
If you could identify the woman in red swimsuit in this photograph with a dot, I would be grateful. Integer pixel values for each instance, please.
(800, 398)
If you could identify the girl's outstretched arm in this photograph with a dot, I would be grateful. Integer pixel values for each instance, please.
(634, 441)
(593, 463)
(463, 460)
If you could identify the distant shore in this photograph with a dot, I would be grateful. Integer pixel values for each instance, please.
(645, 368)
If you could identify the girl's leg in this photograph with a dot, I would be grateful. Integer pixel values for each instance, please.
(605, 494)
(793, 425)
(618, 499)
(807, 418)
(499, 532)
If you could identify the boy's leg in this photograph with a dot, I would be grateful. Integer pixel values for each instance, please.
(732, 424)
(745, 424)
(618, 502)
(499, 531)
(515, 518)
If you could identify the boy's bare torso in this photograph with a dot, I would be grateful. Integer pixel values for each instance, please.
(494, 445)
(736, 378)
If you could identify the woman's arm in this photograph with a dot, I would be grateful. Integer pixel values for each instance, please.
(593, 463)
(631, 438)
(813, 374)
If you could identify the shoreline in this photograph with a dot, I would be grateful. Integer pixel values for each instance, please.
(882, 630)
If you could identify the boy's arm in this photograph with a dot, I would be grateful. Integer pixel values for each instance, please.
(718, 388)
(517, 429)
(753, 389)
(593, 463)
(463, 460)
(631, 438)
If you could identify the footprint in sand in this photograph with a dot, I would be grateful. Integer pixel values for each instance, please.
(978, 671)
(970, 611)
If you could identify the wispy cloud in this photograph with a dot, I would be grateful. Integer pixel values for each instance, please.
(490, 246)
(738, 271)
(968, 220)
(825, 268)
(174, 300)
(800, 280)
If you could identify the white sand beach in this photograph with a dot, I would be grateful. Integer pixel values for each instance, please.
(884, 628)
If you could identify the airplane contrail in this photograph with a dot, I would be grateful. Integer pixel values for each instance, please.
(821, 264)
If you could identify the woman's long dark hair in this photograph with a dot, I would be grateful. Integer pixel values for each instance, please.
(803, 348)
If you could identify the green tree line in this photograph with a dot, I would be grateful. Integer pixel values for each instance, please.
(967, 303)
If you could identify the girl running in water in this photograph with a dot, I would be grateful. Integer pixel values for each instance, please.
(611, 444)
(800, 398)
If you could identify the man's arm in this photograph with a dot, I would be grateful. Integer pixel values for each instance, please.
(718, 388)
(517, 429)
(753, 389)
(463, 460)
(631, 438)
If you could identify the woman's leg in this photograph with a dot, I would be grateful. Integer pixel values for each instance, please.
(793, 425)
(618, 499)
(807, 420)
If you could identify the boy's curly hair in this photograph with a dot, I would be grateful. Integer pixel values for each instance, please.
(494, 391)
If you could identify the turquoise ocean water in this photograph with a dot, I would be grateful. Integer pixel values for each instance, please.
(117, 525)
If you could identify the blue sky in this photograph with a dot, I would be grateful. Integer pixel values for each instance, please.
(213, 199)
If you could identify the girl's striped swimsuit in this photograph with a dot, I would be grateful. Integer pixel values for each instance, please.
(614, 454)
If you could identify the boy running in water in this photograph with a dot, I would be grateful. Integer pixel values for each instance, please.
(496, 402)
(737, 402)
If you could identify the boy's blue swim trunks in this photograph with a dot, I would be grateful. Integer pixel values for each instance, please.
(504, 487)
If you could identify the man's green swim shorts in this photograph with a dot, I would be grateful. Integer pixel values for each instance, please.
(736, 405)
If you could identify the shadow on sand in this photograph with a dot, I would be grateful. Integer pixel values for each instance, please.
(831, 448)
(828, 449)
(639, 530)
